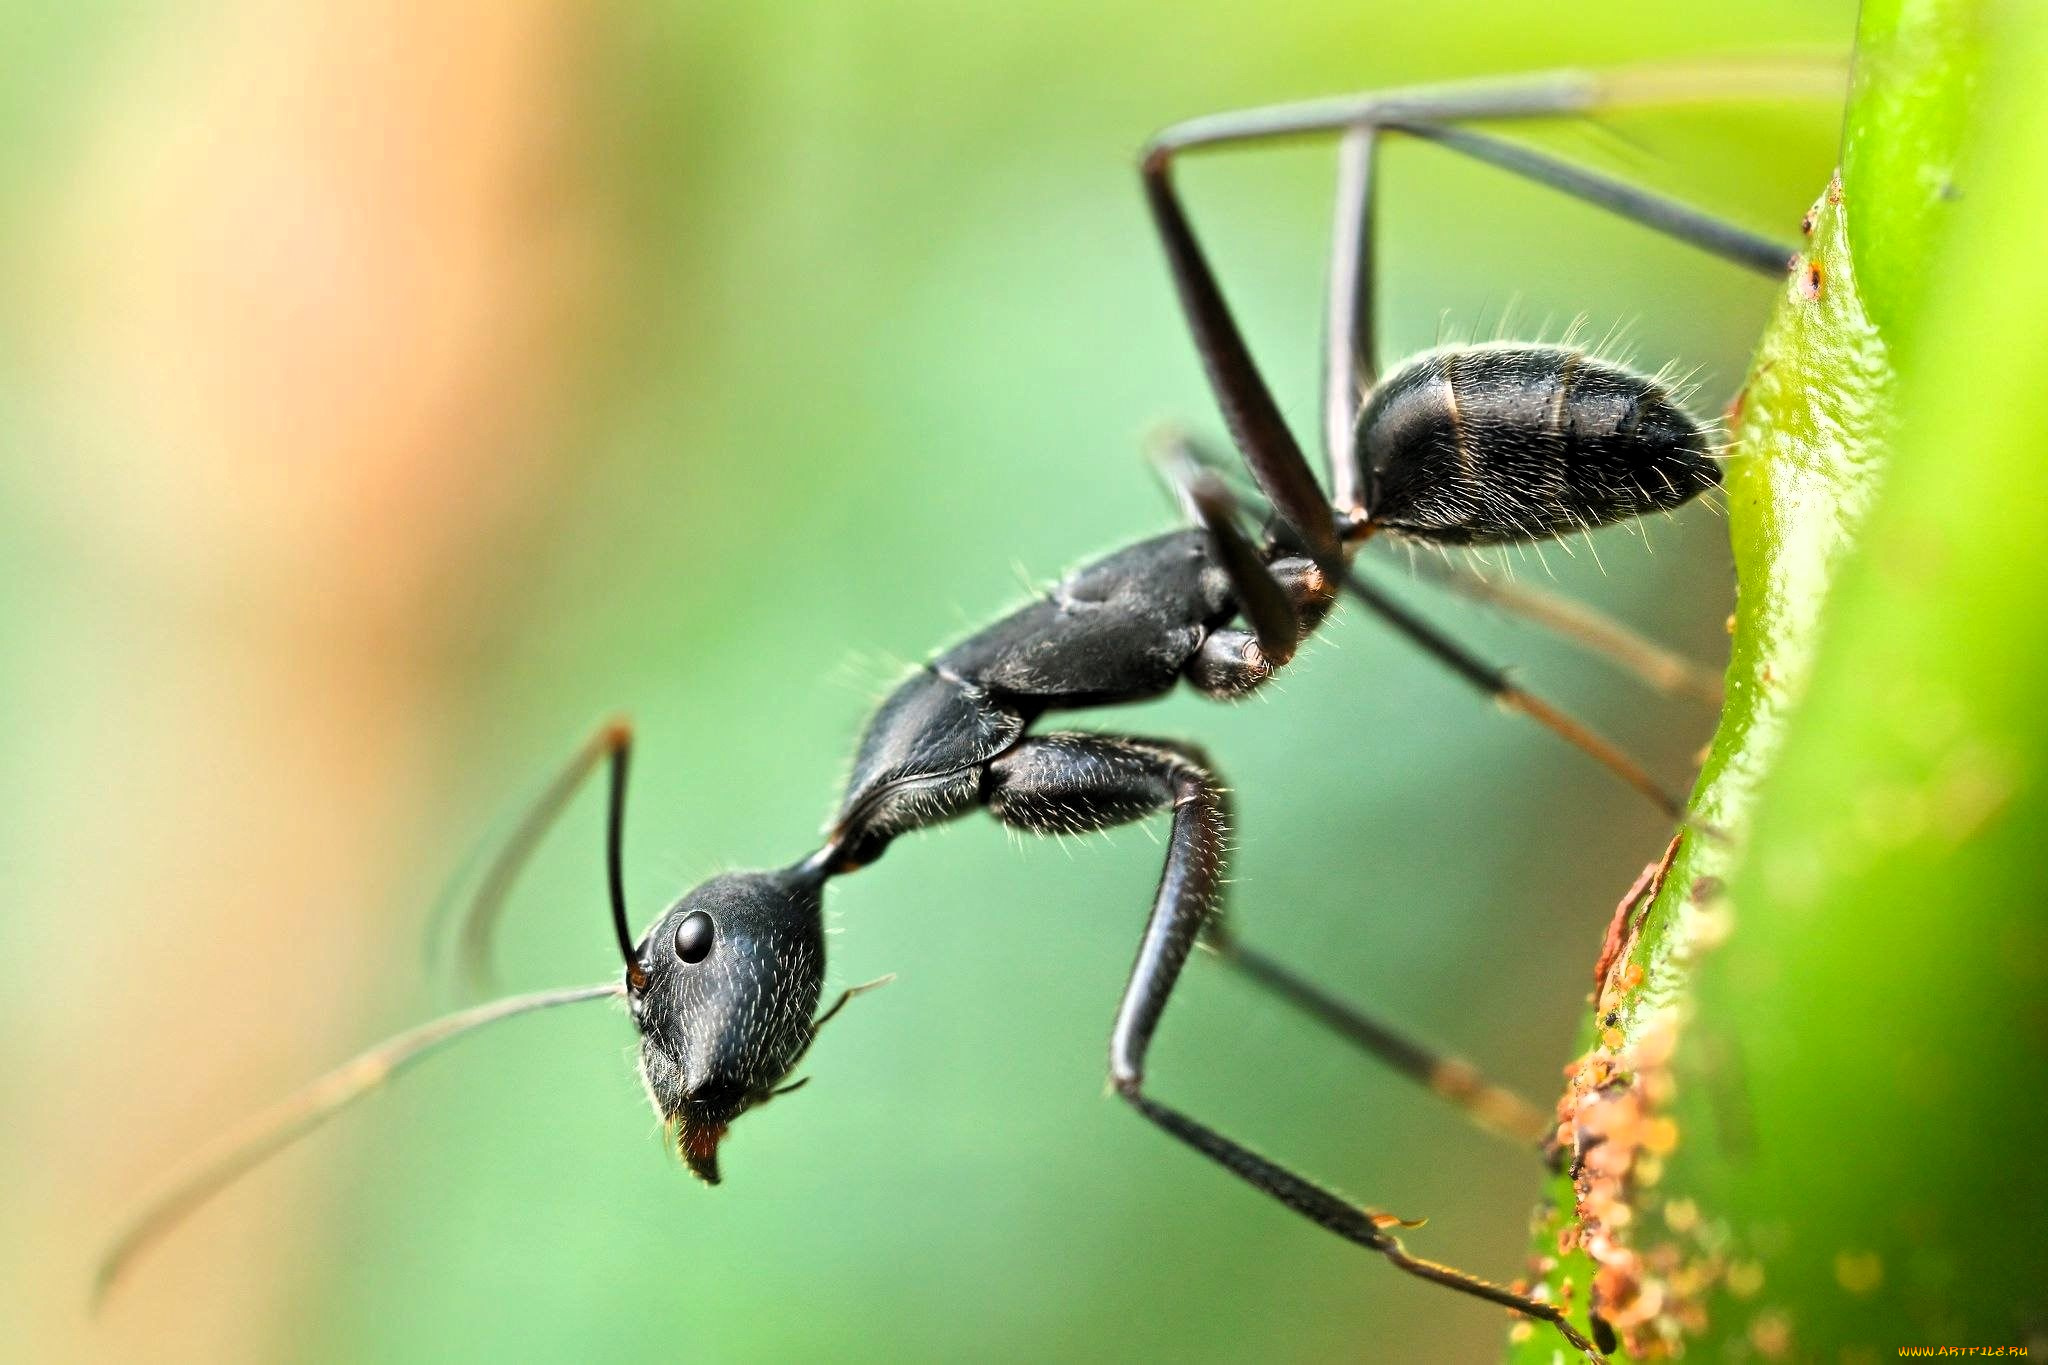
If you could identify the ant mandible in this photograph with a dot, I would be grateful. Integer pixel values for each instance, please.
(1464, 445)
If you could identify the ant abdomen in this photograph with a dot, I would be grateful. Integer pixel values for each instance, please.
(1473, 445)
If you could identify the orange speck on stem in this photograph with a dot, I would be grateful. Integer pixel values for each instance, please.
(1811, 280)
(1640, 893)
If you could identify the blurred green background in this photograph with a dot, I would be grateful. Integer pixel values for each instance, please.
(391, 390)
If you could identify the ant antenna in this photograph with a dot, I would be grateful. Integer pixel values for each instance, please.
(618, 736)
(268, 1132)
(612, 742)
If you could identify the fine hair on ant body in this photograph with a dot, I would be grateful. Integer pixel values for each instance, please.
(1466, 445)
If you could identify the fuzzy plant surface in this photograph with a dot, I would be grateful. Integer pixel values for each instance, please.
(1808, 1122)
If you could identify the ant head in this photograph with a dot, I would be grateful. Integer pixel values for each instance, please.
(723, 991)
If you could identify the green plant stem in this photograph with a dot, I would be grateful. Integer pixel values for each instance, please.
(1802, 1127)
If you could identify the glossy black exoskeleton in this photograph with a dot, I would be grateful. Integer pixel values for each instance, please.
(1468, 445)
(1495, 444)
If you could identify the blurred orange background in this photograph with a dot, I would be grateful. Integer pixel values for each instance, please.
(390, 390)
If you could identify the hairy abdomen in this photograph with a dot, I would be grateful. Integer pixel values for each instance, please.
(1485, 444)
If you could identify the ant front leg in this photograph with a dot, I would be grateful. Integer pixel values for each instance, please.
(1074, 783)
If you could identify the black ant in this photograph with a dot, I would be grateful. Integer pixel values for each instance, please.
(1464, 445)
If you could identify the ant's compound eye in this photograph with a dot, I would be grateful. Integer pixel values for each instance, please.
(693, 937)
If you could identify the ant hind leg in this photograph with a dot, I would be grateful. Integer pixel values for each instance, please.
(1071, 783)
(1583, 627)
(1490, 1106)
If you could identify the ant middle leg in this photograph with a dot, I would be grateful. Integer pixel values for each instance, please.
(1495, 682)
(1070, 783)
(1654, 665)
